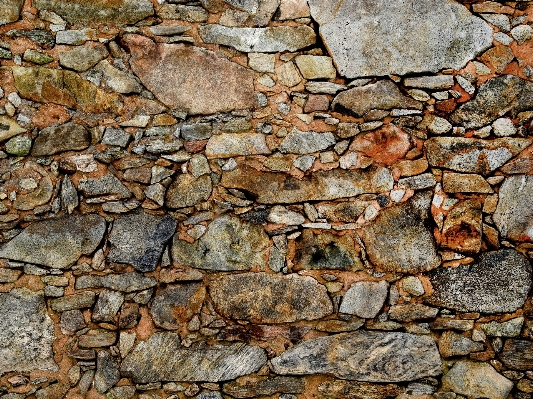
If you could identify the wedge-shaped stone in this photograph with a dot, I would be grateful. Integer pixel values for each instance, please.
(10, 11)
(107, 12)
(279, 188)
(125, 282)
(27, 332)
(269, 298)
(9, 128)
(400, 240)
(56, 243)
(377, 38)
(514, 213)
(259, 40)
(363, 356)
(138, 239)
(162, 358)
(499, 282)
(56, 139)
(203, 78)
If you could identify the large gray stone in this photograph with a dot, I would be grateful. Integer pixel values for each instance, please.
(138, 239)
(82, 58)
(377, 38)
(499, 282)
(514, 213)
(269, 298)
(229, 244)
(162, 358)
(297, 142)
(56, 139)
(58, 242)
(363, 356)
(125, 282)
(364, 298)
(27, 332)
(10, 11)
(103, 185)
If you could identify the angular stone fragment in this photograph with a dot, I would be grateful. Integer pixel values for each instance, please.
(379, 38)
(186, 190)
(229, 244)
(496, 97)
(363, 356)
(315, 67)
(400, 240)
(115, 12)
(438, 82)
(162, 358)
(79, 300)
(453, 344)
(227, 145)
(259, 40)
(411, 312)
(476, 380)
(498, 283)
(9, 128)
(264, 387)
(517, 354)
(278, 188)
(341, 389)
(202, 76)
(10, 11)
(383, 94)
(138, 239)
(269, 298)
(98, 338)
(463, 183)
(56, 139)
(174, 305)
(249, 6)
(510, 328)
(462, 227)
(58, 242)
(83, 57)
(364, 299)
(107, 372)
(188, 13)
(107, 184)
(126, 282)
(118, 80)
(297, 142)
(107, 306)
(27, 332)
(514, 212)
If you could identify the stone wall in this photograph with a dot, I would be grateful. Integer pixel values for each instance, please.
(266, 198)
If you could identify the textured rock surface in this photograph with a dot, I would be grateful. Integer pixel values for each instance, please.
(176, 304)
(10, 11)
(67, 137)
(514, 213)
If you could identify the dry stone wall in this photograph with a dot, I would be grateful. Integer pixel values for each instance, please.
(284, 199)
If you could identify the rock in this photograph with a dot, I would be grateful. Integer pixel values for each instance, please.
(315, 67)
(196, 131)
(202, 76)
(10, 11)
(9, 128)
(55, 139)
(264, 387)
(411, 312)
(503, 127)
(363, 356)
(168, 30)
(465, 183)
(278, 188)
(517, 354)
(402, 227)
(118, 80)
(259, 40)
(186, 190)
(340, 389)
(139, 238)
(297, 142)
(107, 372)
(83, 58)
(453, 344)
(122, 392)
(69, 195)
(162, 358)
(19, 146)
(229, 244)
(287, 75)
(227, 145)
(116, 12)
(462, 229)
(499, 282)
(126, 282)
(324, 87)
(183, 12)
(281, 215)
(174, 305)
(76, 37)
(107, 184)
(383, 94)
(514, 212)
(58, 242)
(476, 380)
(437, 82)
(9, 276)
(495, 98)
(419, 182)
(97, 339)
(434, 36)
(262, 62)
(107, 306)
(27, 332)
(79, 300)
(249, 6)
(72, 321)
(342, 211)
(53, 391)
(510, 328)
(115, 136)
(364, 299)
(269, 298)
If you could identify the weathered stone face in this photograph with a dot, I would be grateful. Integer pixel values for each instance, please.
(174, 305)
(67, 137)
(10, 11)
(514, 213)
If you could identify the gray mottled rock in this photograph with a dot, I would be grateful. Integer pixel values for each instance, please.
(453, 344)
(495, 98)
(379, 38)
(56, 243)
(138, 239)
(115, 136)
(499, 282)
(249, 6)
(106, 184)
(174, 305)
(264, 387)
(125, 282)
(510, 328)
(72, 321)
(118, 80)
(229, 244)
(517, 354)
(82, 58)
(79, 300)
(399, 238)
(188, 13)
(412, 311)
(514, 212)
(27, 332)
(297, 142)
(363, 356)
(186, 190)
(465, 183)
(227, 145)
(19, 146)
(364, 299)
(268, 298)
(477, 380)
(162, 358)
(260, 40)
(107, 371)
(56, 139)
(383, 94)
(107, 305)
(97, 338)
(10, 11)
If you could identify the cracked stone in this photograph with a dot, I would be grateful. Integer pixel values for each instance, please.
(174, 305)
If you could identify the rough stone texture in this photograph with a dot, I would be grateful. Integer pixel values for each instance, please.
(265, 298)
(514, 213)
(82, 58)
(453, 344)
(56, 139)
(341, 389)
(212, 363)
(499, 282)
(363, 356)
(27, 332)
(364, 299)
(228, 145)
(517, 354)
(126, 282)
(10, 11)
(56, 243)
(264, 387)
(203, 77)
(138, 239)
(174, 305)
(297, 142)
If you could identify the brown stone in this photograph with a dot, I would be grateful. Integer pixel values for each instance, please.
(56, 139)
(465, 183)
(517, 354)
(463, 227)
(341, 389)
(498, 57)
(317, 102)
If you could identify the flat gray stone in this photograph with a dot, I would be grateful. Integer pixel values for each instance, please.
(363, 356)
(58, 242)
(10, 11)
(78, 300)
(269, 298)
(27, 332)
(438, 82)
(228, 244)
(107, 371)
(297, 142)
(107, 306)
(380, 38)
(106, 184)
(82, 58)
(364, 299)
(55, 139)
(174, 305)
(498, 283)
(227, 145)
(509, 328)
(514, 212)
(259, 40)
(125, 282)
(162, 358)
(138, 239)
(118, 80)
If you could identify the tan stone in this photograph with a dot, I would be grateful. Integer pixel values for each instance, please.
(464, 183)
(288, 75)
(9, 128)
(315, 67)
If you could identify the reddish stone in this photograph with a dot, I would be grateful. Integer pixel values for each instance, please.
(50, 114)
(195, 146)
(446, 106)
(318, 102)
